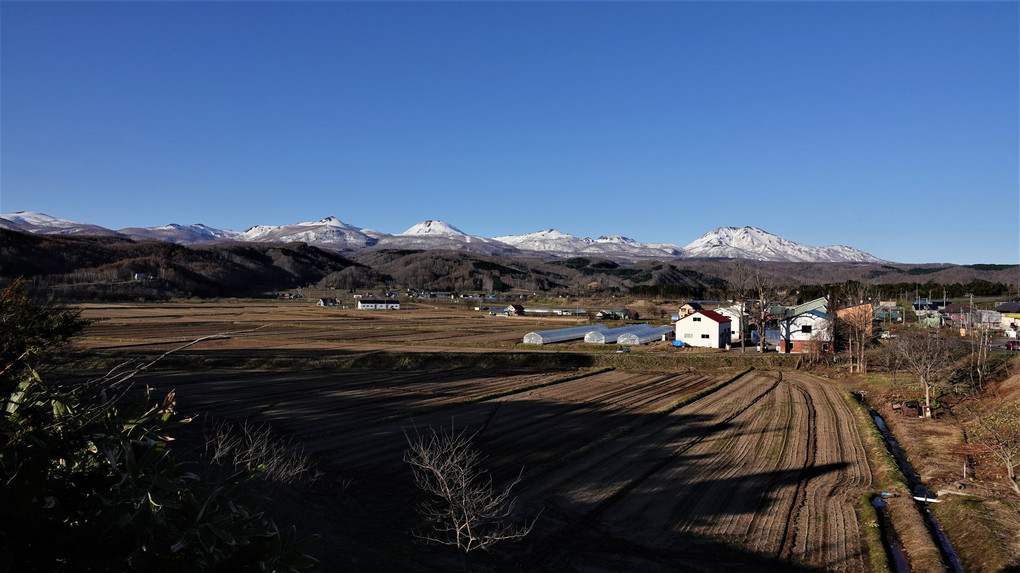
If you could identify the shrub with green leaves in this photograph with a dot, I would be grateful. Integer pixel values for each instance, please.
(88, 483)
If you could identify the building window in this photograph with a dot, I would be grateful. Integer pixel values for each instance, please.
(688, 335)
(806, 329)
(697, 319)
(704, 336)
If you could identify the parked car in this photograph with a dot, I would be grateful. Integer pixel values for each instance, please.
(1013, 345)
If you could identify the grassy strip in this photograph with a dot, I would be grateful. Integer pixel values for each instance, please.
(520, 389)
(872, 534)
(875, 446)
(887, 477)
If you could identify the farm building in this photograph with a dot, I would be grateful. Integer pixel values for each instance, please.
(326, 302)
(860, 315)
(561, 334)
(1010, 321)
(613, 314)
(373, 304)
(805, 332)
(704, 328)
(888, 310)
(653, 334)
(515, 310)
(610, 336)
(738, 320)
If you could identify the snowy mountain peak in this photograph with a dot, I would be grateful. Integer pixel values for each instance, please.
(330, 221)
(756, 244)
(435, 228)
(615, 247)
(332, 233)
(35, 222)
(38, 219)
(617, 239)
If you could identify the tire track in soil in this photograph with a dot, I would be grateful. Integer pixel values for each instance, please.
(787, 541)
(560, 540)
(519, 437)
(833, 540)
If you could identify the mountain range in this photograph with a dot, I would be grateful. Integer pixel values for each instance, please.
(333, 234)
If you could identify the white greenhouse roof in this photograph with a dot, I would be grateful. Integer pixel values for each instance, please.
(561, 334)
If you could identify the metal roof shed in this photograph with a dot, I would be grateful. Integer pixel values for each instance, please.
(610, 336)
(646, 336)
(561, 334)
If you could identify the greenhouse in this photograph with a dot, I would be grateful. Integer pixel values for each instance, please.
(561, 334)
(646, 336)
(610, 336)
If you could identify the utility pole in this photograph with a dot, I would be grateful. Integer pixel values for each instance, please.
(970, 313)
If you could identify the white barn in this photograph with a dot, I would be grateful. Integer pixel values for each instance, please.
(704, 328)
(561, 334)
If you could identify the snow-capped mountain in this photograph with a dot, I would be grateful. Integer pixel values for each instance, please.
(616, 245)
(32, 222)
(182, 234)
(756, 244)
(549, 241)
(331, 233)
(554, 242)
(432, 228)
(441, 235)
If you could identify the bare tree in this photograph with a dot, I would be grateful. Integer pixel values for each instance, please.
(998, 431)
(927, 355)
(273, 457)
(739, 288)
(981, 345)
(854, 322)
(763, 291)
(463, 508)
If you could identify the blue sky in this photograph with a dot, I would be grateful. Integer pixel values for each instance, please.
(890, 127)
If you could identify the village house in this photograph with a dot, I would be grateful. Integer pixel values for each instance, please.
(805, 327)
(705, 329)
(957, 314)
(806, 332)
(688, 309)
(614, 314)
(326, 302)
(515, 310)
(738, 320)
(888, 310)
(862, 315)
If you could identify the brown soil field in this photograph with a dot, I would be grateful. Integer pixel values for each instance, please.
(763, 473)
(627, 470)
(283, 325)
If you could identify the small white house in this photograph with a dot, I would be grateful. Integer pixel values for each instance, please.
(738, 320)
(373, 304)
(704, 328)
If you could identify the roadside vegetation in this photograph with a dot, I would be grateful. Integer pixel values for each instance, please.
(89, 482)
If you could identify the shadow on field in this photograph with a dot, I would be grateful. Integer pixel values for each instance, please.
(618, 489)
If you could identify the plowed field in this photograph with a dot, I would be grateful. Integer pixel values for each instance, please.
(762, 474)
